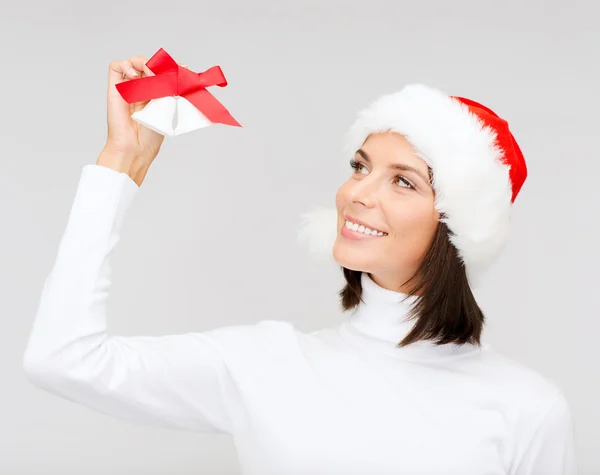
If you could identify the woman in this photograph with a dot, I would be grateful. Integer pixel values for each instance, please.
(405, 385)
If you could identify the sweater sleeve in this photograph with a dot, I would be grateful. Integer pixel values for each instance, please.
(551, 449)
(176, 381)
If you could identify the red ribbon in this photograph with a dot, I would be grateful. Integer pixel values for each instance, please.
(170, 79)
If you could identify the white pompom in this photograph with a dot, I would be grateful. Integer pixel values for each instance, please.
(318, 231)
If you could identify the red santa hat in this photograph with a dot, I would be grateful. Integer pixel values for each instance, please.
(478, 169)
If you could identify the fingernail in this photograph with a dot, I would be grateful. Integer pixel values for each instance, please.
(133, 72)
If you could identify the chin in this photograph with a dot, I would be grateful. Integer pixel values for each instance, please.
(350, 258)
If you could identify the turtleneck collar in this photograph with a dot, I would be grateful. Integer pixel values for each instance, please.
(381, 320)
(383, 312)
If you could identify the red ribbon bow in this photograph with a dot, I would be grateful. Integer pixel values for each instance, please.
(170, 79)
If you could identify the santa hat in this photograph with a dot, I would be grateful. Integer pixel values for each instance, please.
(478, 169)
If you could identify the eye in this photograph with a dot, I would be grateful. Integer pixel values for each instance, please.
(357, 167)
(406, 182)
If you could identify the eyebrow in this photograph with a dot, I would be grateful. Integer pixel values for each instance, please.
(396, 166)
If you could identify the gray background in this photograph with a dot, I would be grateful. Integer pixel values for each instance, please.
(210, 239)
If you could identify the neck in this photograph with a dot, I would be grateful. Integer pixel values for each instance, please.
(390, 282)
(383, 313)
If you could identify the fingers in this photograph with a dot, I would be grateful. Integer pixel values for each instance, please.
(119, 71)
(131, 68)
(138, 63)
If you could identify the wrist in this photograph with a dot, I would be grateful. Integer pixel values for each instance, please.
(123, 162)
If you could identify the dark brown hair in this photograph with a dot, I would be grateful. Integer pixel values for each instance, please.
(445, 308)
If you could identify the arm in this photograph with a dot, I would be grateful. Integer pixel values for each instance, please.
(178, 381)
(551, 449)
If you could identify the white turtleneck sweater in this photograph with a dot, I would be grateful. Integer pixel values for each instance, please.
(340, 400)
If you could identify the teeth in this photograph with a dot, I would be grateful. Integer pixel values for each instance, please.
(362, 229)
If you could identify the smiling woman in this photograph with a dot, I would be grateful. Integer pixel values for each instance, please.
(446, 212)
(439, 175)
(474, 164)
(346, 399)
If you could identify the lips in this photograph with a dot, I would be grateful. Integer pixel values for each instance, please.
(362, 223)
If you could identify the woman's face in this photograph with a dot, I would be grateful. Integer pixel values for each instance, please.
(397, 201)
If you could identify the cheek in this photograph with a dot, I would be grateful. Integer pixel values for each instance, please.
(416, 224)
(341, 197)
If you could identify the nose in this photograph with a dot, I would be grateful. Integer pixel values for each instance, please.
(365, 192)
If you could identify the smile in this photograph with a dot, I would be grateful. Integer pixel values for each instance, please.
(358, 231)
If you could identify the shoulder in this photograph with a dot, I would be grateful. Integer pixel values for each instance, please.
(271, 342)
(538, 402)
(515, 378)
(264, 354)
(262, 339)
(252, 333)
